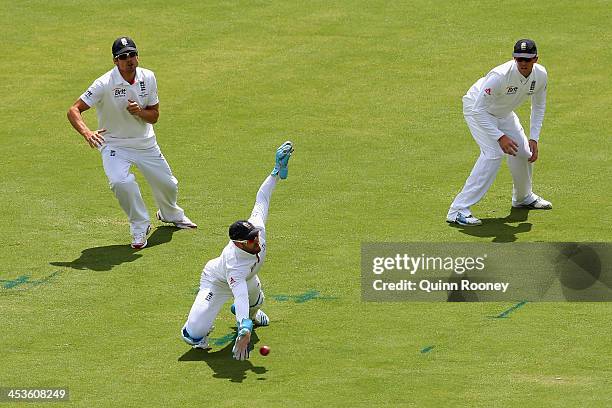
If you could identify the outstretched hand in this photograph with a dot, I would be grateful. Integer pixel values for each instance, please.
(241, 346)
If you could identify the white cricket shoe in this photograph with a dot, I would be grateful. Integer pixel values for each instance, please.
(261, 319)
(537, 204)
(465, 220)
(202, 345)
(139, 239)
(185, 223)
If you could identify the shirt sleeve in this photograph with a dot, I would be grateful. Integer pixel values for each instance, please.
(538, 107)
(259, 215)
(238, 285)
(93, 95)
(153, 98)
(492, 88)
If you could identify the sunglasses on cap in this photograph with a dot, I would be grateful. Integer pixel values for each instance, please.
(127, 55)
(523, 59)
(244, 241)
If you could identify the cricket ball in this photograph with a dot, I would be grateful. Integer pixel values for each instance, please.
(264, 350)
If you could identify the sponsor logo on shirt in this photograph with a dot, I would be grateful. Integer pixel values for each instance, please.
(119, 92)
(232, 281)
(88, 93)
(209, 296)
(488, 91)
(511, 90)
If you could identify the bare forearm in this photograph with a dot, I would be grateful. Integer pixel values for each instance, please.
(94, 138)
(77, 122)
(148, 115)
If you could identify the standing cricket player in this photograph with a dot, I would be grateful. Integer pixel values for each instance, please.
(127, 105)
(234, 273)
(488, 108)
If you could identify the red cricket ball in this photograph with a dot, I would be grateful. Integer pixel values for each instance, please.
(264, 350)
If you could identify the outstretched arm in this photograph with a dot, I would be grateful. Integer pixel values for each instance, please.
(241, 347)
(259, 215)
(241, 297)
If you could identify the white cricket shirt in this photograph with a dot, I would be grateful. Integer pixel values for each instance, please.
(109, 94)
(234, 268)
(235, 264)
(501, 91)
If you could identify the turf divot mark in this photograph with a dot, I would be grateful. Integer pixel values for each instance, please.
(304, 297)
(24, 282)
(505, 313)
(427, 349)
(221, 341)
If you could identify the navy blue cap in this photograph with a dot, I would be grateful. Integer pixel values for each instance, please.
(525, 48)
(243, 230)
(123, 45)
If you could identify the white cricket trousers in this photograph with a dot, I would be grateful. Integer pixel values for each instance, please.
(117, 162)
(485, 170)
(214, 292)
(211, 298)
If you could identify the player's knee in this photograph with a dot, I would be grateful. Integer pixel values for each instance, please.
(122, 183)
(258, 302)
(169, 185)
(523, 154)
(189, 338)
(197, 328)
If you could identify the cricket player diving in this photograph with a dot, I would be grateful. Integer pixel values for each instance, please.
(488, 108)
(234, 273)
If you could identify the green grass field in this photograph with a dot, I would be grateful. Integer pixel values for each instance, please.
(370, 92)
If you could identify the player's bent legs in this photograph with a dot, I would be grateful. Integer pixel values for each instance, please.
(482, 175)
(124, 186)
(520, 168)
(204, 311)
(164, 185)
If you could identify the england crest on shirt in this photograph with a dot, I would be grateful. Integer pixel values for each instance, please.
(531, 88)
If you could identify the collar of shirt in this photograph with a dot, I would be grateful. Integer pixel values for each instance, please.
(241, 253)
(119, 80)
(520, 76)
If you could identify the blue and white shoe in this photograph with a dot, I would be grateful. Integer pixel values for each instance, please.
(194, 342)
(261, 319)
(283, 154)
(465, 220)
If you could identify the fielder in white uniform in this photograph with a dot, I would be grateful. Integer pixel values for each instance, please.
(234, 273)
(488, 108)
(127, 106)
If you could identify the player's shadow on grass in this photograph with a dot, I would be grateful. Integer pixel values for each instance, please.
(499, 228)
(106, 257)
(222, 363)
